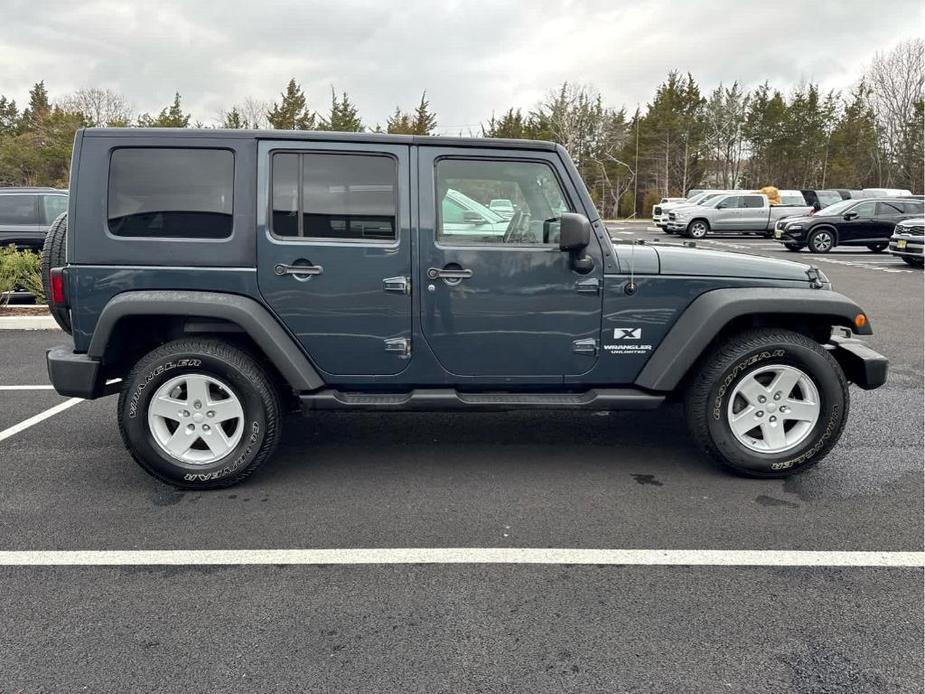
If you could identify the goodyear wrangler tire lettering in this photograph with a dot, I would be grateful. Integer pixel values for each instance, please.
(220, 362)
(740, 357)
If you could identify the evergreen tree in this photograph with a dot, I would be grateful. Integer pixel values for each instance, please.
(170, 116)
(39, 107)
(9, 116)
(233, 119)
(292, 112)
(855, 156)
(420, 122)
(343, 116)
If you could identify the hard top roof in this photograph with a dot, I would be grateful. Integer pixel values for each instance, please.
(31, 189)
(321, 136)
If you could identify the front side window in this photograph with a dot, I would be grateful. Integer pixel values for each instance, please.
(351, 197)
(54, 205)
(864, 210)
(18, 209)
(171, 192)
(498, 202)
(733, 202)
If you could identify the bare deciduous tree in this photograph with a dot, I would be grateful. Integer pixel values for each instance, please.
(99, 107)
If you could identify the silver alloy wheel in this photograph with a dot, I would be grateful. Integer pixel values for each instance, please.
(698, 230)
(196, 419)
(822, 241)
(773, 408)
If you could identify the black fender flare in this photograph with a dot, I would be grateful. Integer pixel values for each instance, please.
(709, 313)
(278, 346)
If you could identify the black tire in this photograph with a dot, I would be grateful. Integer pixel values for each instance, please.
(877, 247)
(216, 359)
(54, 254)
(668, 231)
(795, 247)
(914, 262)
(768, 234)
(821, 241)
(707, 399)
(697, 229)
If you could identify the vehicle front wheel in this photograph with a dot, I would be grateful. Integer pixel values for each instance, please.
(821, 241)
(914, 262)
(877, 247)
(697, 229)
(768, 403)
(199, 413)
(795, 247)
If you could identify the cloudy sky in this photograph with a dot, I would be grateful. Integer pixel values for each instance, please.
(472, 56)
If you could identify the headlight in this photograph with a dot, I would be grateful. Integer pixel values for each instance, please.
(794, 227)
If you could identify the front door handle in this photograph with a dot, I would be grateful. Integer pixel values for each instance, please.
(299, 271)
(449, 273)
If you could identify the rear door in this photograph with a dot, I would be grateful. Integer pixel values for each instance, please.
(334, 251)
(510, 304)
(754, 213)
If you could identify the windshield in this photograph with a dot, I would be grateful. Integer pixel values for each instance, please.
(695, 200)
(712, 199)
(837, 208)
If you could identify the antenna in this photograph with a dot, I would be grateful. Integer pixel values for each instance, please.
(630, 287)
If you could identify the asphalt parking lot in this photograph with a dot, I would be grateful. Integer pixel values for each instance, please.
(520, 480)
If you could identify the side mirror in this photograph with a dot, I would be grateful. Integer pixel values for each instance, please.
(721, 206)
(848, 216)
(574, 232)
(575, 237)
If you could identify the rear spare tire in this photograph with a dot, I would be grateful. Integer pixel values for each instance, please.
(54, 252)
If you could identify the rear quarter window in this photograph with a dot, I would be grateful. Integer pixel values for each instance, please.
(171, 193)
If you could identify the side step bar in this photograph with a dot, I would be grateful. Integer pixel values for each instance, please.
(447, 399)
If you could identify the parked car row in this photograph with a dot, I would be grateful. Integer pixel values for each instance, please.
(868, 223)
(25, 214)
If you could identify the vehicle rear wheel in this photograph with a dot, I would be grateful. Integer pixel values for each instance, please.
(877, 247)
(54, 254)
(821, 241)
(199, 414)
(914, 262)
(697, 229)
(795, 247)
(768, 403)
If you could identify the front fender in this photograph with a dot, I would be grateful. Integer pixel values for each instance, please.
(707, 315)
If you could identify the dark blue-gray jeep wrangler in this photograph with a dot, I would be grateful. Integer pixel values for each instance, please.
(216, 279)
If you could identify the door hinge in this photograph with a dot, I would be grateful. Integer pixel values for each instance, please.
(586, 346)
(399, 285)
(588, 286)
(398, 345)
(815, 281)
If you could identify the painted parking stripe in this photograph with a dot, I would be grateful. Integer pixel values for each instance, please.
(463, 555)
(48, 387)
(40, 417)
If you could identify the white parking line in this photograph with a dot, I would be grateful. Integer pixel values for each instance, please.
(464, 555)
(48, 387)
(40, 417)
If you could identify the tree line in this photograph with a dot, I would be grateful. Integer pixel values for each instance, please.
(684, 138)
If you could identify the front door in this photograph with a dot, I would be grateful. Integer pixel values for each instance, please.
(499, 298)
(334, 251)
(857, 223)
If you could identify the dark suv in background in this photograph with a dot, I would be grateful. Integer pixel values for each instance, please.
(852, 222)
(25, 214)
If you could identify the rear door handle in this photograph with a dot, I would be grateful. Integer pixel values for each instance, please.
(297, 270)
(449, 274)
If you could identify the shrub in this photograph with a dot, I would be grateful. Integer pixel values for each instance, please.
(20, 270)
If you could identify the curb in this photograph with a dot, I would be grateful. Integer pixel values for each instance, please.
(28, 323)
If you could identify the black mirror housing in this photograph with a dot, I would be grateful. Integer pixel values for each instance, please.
(574, 232)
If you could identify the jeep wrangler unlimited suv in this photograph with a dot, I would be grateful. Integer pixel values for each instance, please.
(218, 279)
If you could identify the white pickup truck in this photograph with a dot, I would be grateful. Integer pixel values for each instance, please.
(742, 212)
(658, 209)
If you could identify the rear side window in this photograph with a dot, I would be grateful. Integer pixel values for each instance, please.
(19, 209)
(912, 206)
(752, 201)
(171, 193)
(350, 197)
(889, 208)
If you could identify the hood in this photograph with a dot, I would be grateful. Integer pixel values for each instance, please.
(680, 260)
(801, 218)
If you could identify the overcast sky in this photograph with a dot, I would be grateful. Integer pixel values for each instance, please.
(472, 56)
